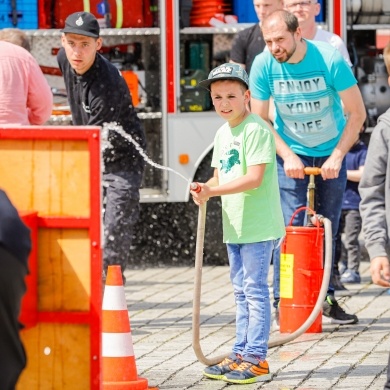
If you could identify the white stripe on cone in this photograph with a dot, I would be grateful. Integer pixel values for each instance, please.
(117, 345)
(114, 298)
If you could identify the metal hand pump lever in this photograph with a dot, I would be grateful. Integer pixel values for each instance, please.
(312, 171)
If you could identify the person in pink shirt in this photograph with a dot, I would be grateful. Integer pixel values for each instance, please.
(15, 36)
(25, 95)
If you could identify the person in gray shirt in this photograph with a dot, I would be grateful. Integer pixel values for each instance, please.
(374, 189)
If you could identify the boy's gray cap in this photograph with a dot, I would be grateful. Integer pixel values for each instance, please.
(82, 23)
(227, 71)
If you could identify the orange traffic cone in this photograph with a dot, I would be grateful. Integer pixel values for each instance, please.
(119, 369)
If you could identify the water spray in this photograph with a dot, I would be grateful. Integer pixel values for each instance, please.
(128, 137)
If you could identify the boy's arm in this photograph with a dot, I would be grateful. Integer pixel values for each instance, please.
(252, 179)
(214, 181)
(356, 174)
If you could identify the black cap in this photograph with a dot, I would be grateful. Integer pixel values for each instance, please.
(82, 23)
(228, 71)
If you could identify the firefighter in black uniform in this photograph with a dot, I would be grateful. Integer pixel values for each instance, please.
(98, 94)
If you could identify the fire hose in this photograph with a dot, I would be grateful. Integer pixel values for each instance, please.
(273, 342)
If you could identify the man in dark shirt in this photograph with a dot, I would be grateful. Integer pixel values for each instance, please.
(98, 94)
(248, 43)
(15, 246)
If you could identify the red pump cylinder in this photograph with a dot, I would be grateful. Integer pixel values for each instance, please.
(301, 273)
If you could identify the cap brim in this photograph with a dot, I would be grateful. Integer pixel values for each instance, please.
(72, 30)
(206, 83)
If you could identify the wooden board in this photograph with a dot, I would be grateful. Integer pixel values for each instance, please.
(49, 176)
(57, 357)
(55, 172)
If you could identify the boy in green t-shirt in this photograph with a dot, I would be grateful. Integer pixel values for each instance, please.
(245, 176)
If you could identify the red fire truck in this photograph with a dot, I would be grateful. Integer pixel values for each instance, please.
(168, 58)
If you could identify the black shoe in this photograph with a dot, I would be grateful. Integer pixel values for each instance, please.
(337, 315)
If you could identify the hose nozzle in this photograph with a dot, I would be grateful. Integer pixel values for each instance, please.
(195, 187)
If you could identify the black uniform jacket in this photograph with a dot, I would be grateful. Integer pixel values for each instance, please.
(101, 96)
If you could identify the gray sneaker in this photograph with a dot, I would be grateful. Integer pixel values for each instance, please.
(336, 314)
(342, 266)
(350, 276)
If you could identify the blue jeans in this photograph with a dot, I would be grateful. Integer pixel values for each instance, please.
(249, 266)
(328, 202)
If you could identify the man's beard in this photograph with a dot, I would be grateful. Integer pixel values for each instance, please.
(289, 54)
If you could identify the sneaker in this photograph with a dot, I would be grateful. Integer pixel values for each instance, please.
(337, 315)
(219, 370)
(350, 276)
(248, 372)
(342, 266)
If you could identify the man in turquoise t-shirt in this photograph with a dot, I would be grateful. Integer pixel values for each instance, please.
(245, 176)
(313, 88)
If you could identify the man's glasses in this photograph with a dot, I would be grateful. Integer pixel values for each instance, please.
(299, 4)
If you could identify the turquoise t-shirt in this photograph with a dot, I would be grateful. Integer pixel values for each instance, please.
(255, 215)
(309, 115)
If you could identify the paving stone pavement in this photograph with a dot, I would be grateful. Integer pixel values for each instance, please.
(342, 357)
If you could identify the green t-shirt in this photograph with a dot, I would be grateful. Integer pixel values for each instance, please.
(255, 215)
